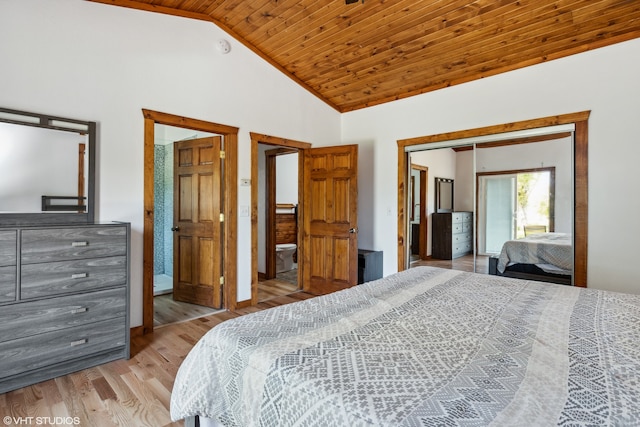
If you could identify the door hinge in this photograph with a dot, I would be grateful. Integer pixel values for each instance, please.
(221, 217)
(221, 280)
(222, 154)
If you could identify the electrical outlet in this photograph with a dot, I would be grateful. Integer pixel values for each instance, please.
(244, 211)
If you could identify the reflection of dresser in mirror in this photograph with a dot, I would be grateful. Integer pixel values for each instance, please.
(452, 234)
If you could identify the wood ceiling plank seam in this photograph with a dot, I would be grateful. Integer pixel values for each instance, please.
(432, 36)
(588, 12)
(458, 72)
(295, 31)
(238, 16)
(196, 5)
(269, 17)
(304, 15)
(211, 6)
(346, 63)
(291, 10)
(451, 77)
(399, 39)
(171, 4)
(273, 33)
(463, 41)
(351, 18)
(369, 28)
(341, 88)
(408, 26)
(359, 104)
(230, 9)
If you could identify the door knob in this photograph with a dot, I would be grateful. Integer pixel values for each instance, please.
(175, 228)
(353, 230)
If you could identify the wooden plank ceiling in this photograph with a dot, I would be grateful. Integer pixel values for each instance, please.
(367, 53)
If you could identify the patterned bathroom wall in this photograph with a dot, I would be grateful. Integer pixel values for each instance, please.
(158, 210)
(163, 210)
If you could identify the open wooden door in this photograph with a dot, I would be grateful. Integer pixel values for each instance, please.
(197, 226)
(330, 224)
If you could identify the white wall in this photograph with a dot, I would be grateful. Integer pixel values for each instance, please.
(604, 81)
(90, 61)
(287, 178)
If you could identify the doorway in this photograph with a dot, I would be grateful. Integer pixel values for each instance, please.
(272, 276)
(511, 203)
(418, 218)
(229, 197)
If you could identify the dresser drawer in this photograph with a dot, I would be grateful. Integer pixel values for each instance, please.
(8, 248)
(461, 238)
(461, 248)
(461, 227)
(36, 317)
(61, 244)
(37, 351)
(55, 278)
(7, 284)
(461, 216)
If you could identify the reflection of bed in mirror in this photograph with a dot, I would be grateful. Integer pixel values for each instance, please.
(547, 257)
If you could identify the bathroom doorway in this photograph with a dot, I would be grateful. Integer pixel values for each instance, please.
(279, 190)
(167, 308)
(276, 189)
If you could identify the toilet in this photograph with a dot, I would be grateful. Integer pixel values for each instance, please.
(284, 257)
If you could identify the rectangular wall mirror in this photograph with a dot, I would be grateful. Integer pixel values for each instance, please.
(47, 167)
(444, 195)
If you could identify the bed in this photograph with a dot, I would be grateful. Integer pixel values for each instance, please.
(424, 347)
(545, 256)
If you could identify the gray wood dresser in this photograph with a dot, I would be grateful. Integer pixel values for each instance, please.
(452, 234)
(64, 300)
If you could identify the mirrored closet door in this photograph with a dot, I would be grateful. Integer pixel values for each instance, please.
(512, 204)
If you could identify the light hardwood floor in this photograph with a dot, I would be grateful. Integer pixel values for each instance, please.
(464, 263)
(167, 311)
(125, 393)
(274, 288)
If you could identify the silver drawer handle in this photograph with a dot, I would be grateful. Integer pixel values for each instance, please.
(79, 342)
(74, 244)
(79, 310)
(79, 275)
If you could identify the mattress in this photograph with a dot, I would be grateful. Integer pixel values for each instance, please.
(423, 347)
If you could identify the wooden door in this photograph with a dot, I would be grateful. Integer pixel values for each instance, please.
(197, 226)
(330, 222)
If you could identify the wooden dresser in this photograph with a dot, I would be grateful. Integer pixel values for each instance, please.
(452, 234)
(64, 300)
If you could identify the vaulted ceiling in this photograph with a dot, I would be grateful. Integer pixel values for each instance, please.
(375, 51)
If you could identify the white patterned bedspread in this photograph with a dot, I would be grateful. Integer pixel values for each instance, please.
(424, 347)
(552, 252)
